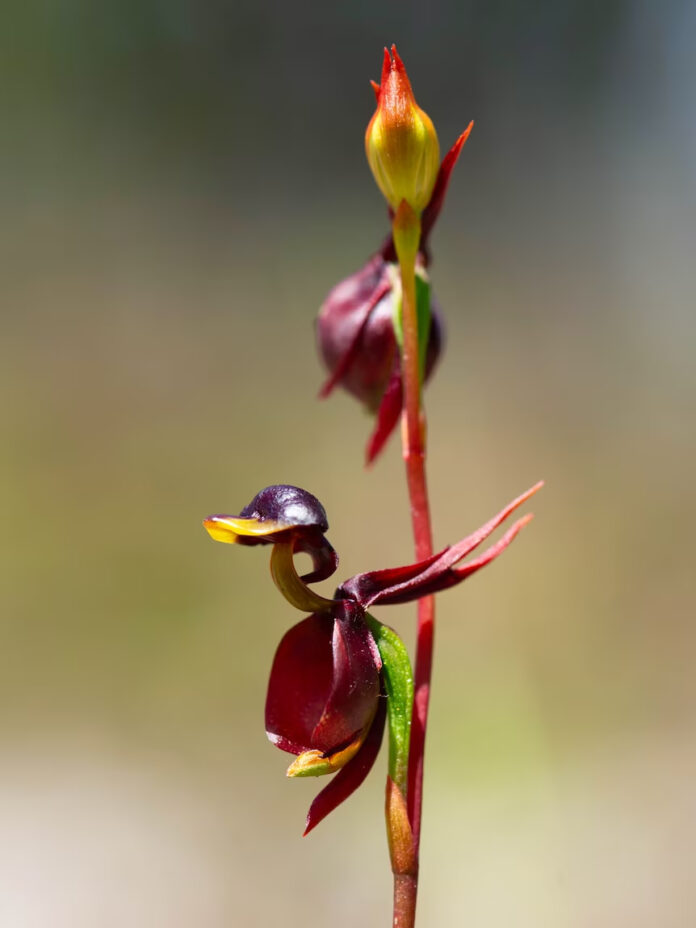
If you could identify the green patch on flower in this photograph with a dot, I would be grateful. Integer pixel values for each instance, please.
(398, 684)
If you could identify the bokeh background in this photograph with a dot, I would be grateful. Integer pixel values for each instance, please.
(182, 183)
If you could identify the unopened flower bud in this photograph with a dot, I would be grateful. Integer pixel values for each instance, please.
(401, 142)
(355, 332)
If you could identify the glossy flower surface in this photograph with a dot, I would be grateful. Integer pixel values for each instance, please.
(281, 513)
(326, 695)
(324, 702)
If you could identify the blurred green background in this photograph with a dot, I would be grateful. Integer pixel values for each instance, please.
(182, 184)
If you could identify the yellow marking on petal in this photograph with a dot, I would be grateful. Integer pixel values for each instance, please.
(229, 528)
(309, 764)
(341, 758)
(315, 764)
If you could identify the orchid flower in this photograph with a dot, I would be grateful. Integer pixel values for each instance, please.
(339, 673)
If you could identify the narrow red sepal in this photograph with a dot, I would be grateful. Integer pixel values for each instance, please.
(405, 584)
(432, 210)
(387, 416)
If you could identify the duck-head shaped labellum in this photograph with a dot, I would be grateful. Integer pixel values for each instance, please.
(281, 513)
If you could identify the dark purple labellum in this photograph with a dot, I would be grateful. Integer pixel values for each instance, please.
(281, 513)
(287, 506)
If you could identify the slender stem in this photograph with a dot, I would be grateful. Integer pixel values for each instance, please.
(407, 239)
(405, 892)
(419, 720)
(414, 457)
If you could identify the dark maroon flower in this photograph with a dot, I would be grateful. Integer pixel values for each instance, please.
(324, 703)
(325, 700)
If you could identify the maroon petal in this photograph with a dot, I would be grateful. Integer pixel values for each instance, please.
(341, 333)
(363, 587)
(349, 778)
(404, 584)
(490, 554)
(300, 683)
(452, 555)
(324, 557)
(387, 415)
(352, 702)
(346, 361)
(451, 576)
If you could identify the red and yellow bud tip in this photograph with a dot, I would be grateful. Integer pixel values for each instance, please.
(401, 142)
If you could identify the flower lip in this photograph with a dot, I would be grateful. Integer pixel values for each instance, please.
(273, 513)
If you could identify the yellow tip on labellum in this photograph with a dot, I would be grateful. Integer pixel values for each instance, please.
(316, 764)
(229, 528)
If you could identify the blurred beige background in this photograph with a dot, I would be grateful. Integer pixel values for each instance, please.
(182, 184)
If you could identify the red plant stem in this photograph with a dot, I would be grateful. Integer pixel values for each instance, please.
(414, 457)
(405, 892)
(407, 240)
